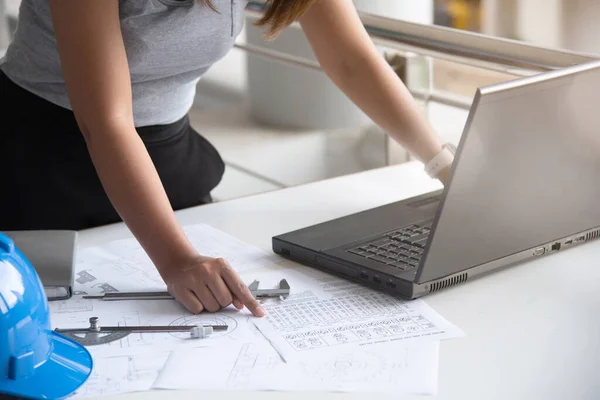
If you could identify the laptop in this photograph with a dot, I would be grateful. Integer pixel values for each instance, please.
(52, 254)
(524, 184)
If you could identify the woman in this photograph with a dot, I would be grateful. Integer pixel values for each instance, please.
(96, 129)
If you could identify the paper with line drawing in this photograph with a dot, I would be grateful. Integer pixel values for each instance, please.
(326, 313)
(257, 366)
(122, 372)
(123, 265)
(134, 362)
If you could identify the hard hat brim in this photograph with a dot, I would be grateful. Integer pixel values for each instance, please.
(67, 368)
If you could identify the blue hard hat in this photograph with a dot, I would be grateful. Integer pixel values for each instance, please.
(35, 361)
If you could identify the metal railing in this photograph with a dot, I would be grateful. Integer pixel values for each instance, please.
(510, 58)
(506, 56)
(503, 55)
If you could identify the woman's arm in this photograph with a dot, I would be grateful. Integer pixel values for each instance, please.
(349, 57)
(96, 73)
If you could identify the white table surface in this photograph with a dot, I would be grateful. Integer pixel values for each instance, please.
(532, 331)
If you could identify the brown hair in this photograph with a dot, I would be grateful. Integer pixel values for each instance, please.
(279, 14)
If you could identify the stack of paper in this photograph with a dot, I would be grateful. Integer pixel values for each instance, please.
(329, 335)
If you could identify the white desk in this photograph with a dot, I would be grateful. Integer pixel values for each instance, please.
(532, 332)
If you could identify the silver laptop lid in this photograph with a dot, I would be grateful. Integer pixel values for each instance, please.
(52, 254)
(527, 171)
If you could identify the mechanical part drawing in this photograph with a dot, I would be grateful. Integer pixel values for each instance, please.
(122, 374)
(354, 318)
(105, 288)
(84, 277)
(70, 306)
(214, 320)
(256, 366)
(249, 362)
(326, 313)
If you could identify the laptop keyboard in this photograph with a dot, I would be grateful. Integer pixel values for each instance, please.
(401, 249)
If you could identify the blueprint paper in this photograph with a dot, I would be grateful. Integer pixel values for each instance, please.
(325, 313)
(389, 368)
(122, 372)
(123, 265)
(133, 363)
(137, 362)
(75, 313)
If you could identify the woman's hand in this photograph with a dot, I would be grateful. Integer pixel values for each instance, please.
(443, 176)
(94, 63)
(210, 284)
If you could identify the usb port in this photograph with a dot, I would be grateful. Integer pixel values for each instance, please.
(568, 242)
(376, 279)
(364, 275)
(391, 285)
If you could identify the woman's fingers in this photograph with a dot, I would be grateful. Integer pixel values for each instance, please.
(241, 292)
(206, 298)
(220, 291)
(211, 284)
(237, 303)
(189, 301)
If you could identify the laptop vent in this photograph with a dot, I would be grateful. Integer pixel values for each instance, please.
(448, 282)
(593, 235)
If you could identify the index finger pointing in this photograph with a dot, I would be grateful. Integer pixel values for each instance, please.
(241, 291)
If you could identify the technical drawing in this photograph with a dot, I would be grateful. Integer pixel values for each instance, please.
(349, 368)
(205, 319)
(300, 344)
(107, 377)
(251, 364)
(364, 334)
(84, 277)
(72, 305)
(340, 338)
(111, 375)
(105, 288)
(357, 317)
(315, 342)
(380, 331)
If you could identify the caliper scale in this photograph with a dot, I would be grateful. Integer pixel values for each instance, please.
(281, 292)
(97, 335)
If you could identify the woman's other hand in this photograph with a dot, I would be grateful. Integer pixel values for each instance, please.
(443, 176)
(210, 284)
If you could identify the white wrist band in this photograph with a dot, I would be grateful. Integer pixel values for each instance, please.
(442, 160)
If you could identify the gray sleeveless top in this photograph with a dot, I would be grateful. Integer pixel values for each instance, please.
(170, 44)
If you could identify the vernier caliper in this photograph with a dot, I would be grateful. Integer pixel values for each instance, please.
(281, 292)
(95, 335)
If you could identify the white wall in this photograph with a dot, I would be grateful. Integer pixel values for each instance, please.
(540, 22)
(419, 11)
(499, 18)
(582, 25)
(567, 24)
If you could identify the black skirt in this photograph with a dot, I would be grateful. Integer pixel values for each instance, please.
(47, 178)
